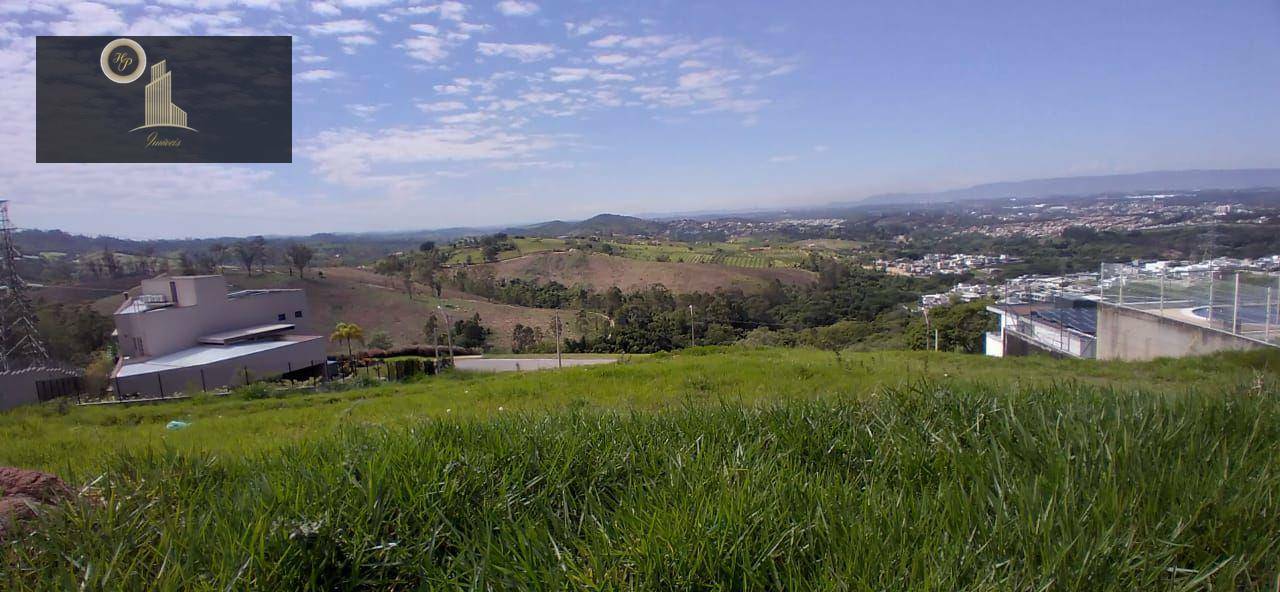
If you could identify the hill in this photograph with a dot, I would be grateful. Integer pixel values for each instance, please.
(1091, 185)
(769, 469)
(598, 225)
(603, 271)
(377, 302)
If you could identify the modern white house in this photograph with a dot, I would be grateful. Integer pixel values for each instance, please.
(188, 334)
(1062, 326)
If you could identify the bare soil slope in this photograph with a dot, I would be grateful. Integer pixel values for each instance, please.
(603, 271)
(378, 303)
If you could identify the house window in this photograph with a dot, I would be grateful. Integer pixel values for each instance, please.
(297, 314)
(281, 317)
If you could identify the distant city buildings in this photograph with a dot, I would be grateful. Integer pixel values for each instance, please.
(939, 263)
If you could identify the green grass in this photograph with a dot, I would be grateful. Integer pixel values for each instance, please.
(712, 469)
(524, 246)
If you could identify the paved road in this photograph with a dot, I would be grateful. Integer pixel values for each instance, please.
(514, 364)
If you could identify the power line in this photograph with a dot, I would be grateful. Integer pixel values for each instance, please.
(20, 344)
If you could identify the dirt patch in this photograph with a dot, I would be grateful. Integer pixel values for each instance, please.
(378, 302)
(24, 493)
(603, 271)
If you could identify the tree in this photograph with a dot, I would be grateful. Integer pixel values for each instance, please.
(524, 338)
(957, 327)
(347, 332)
(431, 328)
(187, 264)
(250, 251)
(470, 333)
(110, 262)
(299, 256)
(381, 340)
(218, 252)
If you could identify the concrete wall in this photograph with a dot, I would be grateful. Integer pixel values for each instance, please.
(1016, 345)
(203, 308)
(1128, 334)
(19, 386)
(231, 372)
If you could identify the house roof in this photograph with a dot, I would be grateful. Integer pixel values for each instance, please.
(246, 333)
(202, 355)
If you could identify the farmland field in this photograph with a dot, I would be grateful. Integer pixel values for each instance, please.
(603, 271)
(795, 470)
(524, 246)
(744, 254)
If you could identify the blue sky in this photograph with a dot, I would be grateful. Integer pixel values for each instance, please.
(424, 114)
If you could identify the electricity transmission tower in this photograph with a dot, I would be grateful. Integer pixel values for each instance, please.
(20, 344)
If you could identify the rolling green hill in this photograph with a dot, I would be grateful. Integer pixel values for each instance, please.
(713, 468)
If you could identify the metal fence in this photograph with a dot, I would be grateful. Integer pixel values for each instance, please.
(1240, 302)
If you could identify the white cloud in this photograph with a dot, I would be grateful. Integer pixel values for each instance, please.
(468, 28)
(312, 59)
(516, 8)
(325, 9)
(524, 52)
(426, 48)
(351, 42)
(89, 18)
(342, 27)
(784, 158)
(360, 158)
(425, 28)
(365, 111)
(611, 59)
(451, 89)
(364, 4)
(453, 11)
(464, 118)
(607, 41)
(563, 74)
(315, 75)
(441, 106)
(578, 29)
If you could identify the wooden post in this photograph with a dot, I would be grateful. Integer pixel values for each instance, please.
(559, 360)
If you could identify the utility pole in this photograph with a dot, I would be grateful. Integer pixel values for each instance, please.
(20, 343)
(559, 358)
(435, 337)
(447, 328)
(692, 340)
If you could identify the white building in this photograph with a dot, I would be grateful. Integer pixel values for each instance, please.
(187, 333)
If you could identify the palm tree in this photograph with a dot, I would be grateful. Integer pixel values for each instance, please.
(347, 332)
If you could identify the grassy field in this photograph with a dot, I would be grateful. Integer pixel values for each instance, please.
(711, 469)
(601, 272)
(524, 246)
(735, 254)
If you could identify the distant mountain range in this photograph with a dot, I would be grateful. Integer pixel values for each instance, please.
(601, 224)
(1092, 185)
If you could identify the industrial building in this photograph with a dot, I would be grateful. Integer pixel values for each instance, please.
(188, 333)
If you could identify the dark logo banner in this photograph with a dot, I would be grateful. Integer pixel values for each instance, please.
(164, 99)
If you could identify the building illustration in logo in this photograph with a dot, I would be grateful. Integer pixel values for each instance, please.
(160, 110)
